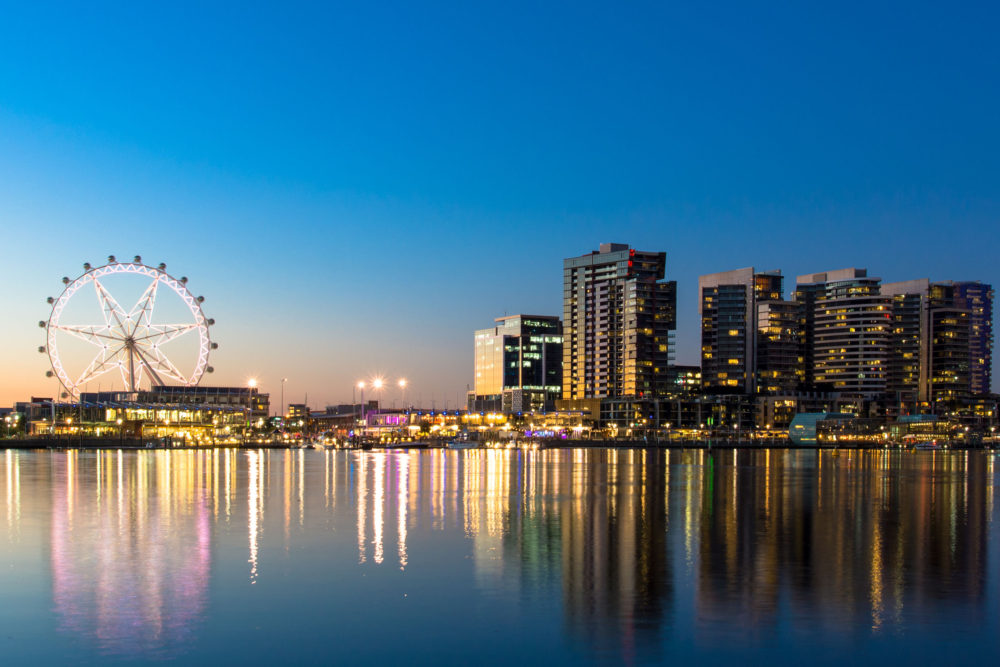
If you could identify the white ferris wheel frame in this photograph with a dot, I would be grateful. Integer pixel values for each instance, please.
(119, 345)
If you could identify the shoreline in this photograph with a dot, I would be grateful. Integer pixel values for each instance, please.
(709, 445)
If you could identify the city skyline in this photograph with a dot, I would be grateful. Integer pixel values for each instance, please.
(361, 209)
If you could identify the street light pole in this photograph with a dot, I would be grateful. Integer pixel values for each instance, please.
(377, 383)
(251, 383)
(283, 410)
(361, 386)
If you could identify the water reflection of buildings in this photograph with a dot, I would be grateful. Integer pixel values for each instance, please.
(765, 537)
(861, 539)
(617, 570)
(634, 544)
(591, 523)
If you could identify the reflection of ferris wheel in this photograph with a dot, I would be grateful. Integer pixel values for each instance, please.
(134, 342)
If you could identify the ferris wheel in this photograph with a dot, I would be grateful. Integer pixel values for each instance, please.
(163, 336)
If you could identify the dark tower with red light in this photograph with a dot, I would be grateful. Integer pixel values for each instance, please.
(618, 321)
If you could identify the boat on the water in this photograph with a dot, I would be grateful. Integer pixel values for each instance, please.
(928, 444)
(461, 444)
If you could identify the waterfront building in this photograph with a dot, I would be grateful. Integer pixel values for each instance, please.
(948, 332)
(845, 337)
(906, 364)
(619, 315)
(726, 306)
(940, 334)
(518, 364)
(749, 334)
(297, 411)
(977, 298)
(195, 414)
(779, 360)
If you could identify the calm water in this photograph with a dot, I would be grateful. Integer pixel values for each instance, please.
(558, 556)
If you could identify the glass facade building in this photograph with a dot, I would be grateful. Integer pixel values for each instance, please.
(518, 363)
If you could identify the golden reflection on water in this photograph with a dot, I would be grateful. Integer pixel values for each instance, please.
(736, 542)
(253, 509)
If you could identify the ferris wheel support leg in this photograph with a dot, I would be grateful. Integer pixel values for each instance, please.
(131, 370)
(149, 367)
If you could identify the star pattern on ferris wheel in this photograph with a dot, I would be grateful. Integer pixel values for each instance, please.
(130, 341)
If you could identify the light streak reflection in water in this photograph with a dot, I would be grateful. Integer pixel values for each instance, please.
(402, 498)
(13, 466)
(379, 506)
(253, 509)
(630, 546)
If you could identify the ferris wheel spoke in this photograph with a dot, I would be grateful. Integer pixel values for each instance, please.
(142, 312)
(123, 369)
(167, 332)
(114, 314)
(145, 364)
(137, 378)
(93, 334)
(165, 366)
(102, 362)
(101, 369)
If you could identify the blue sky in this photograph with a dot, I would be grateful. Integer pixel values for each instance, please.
(355, 189)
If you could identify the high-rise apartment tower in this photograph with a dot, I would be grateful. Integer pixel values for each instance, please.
(845, 331)
(749, 335)
(618, 319)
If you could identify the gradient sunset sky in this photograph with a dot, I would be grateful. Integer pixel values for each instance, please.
(356, 188)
